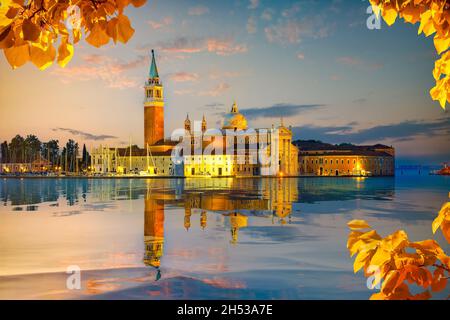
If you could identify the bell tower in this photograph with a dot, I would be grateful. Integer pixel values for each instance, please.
(153, 107)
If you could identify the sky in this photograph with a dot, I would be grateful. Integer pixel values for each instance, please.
(314, 63)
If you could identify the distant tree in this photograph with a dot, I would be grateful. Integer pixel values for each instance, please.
(17, 149)
(29, 30)
(32, 147)
(70, 155)
(86, 160)
(5, 152)
(50, 151)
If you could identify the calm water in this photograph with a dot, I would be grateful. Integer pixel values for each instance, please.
(201, 238)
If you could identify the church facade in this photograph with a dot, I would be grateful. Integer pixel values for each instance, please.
(234, 150)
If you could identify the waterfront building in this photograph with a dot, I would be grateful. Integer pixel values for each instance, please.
(322, 159)
(235, 150)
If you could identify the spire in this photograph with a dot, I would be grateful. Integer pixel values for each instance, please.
(234, 108)
(153, 68)
(187, 116)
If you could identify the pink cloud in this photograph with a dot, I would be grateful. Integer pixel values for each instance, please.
(357, 62)
(183, 77)
(99, 67)
(216, 91)
(166, 21)
(198, 11)
(292, 31)
(218, 46)
(225, 47)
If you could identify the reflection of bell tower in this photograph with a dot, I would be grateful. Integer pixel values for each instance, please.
(203, 219)
(153, 231)
(237, 221)
(187, 217)
(153, 107)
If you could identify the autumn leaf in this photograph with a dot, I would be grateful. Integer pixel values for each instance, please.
(97, 37)
(17, 56)
(65, 52)
(395, 262)
(439, 280)
(358, 224)
(42, 58)
(434, 18)
(31, 31)
(124, 29)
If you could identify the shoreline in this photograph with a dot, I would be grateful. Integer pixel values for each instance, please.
(20, 177)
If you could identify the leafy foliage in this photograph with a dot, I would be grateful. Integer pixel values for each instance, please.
(434, 19)
(30, 29)
(395, 261)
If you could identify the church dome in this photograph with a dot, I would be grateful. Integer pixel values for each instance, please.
(234, 120)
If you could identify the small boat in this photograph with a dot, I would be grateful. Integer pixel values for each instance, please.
(445, 171)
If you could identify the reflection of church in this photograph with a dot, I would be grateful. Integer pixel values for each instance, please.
(237, 202)
(233, 150)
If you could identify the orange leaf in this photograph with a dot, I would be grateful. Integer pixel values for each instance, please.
(97, 37)
(31, 31)
(17, 56)
(124, 29)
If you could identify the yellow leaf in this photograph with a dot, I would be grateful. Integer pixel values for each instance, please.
(361, 259)
(445, 227)
(358, 224)
(42, 58)
(389, 15)
(124, 29)
(380, 258)
(31, 32)
(426, 24)
(97, 37)
(65, 52)
(392, 281)
(441, 43)
(17, 56)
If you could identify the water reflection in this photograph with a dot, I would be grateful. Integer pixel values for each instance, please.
(233, 238)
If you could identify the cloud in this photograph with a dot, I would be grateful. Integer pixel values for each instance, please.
(160, 24)
(360, 101)
(279, 110)
(219, 46)
(291, 11)
(214, 105)
(216, 91)
(110, 70)
(224, 47)
(253, 4)
(215, 74)
(292, 31)
(402, 131)
(198, 11)
(300, 56)
(183, 77)
(267, 14)
(86, 135)
(357, 62)
(251, 25)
